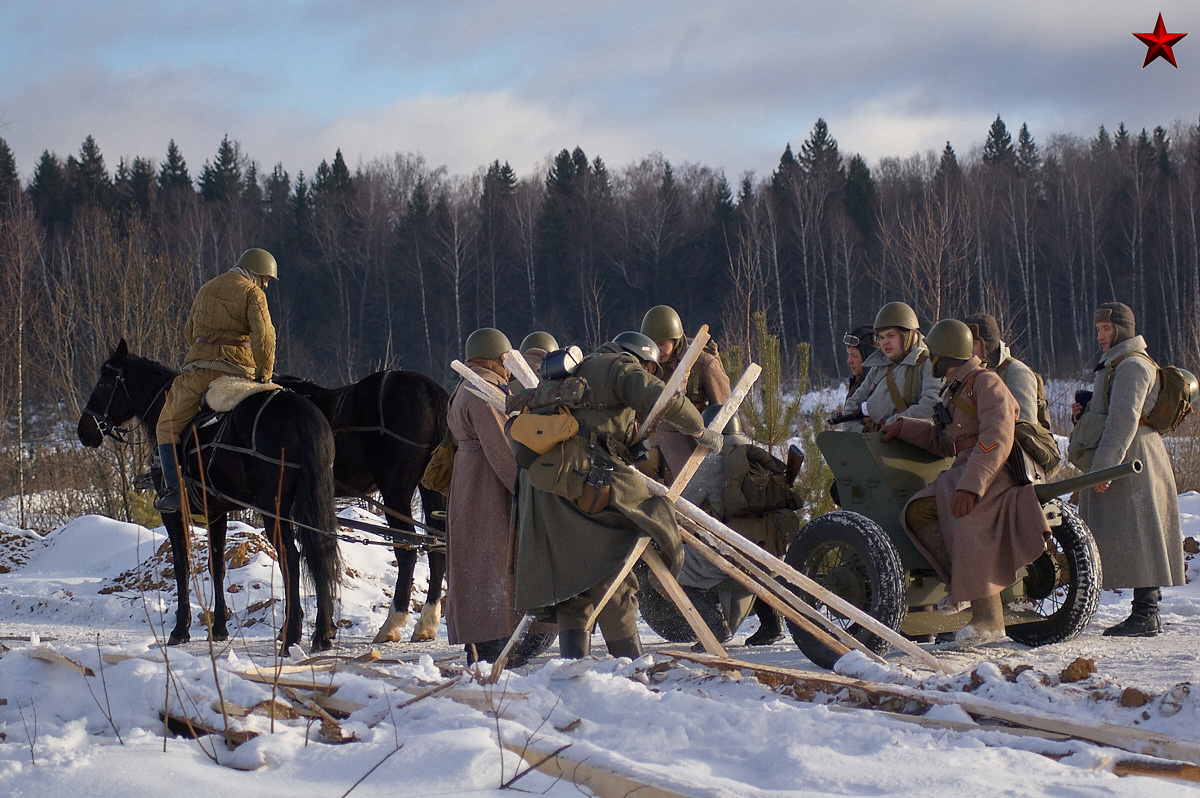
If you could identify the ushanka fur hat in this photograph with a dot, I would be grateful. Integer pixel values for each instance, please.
(1121, 317)
(985, 329)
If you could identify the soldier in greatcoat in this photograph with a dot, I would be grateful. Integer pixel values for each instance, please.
(995, 354)
(568, 557)
(900, 382)
(974, 523)
(707, 383)
(1135, 521)
(480, 540)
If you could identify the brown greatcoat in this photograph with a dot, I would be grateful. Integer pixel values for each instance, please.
(564, 551)
(1007, 529)
(1136, 521)
(480, 544)
(707, 384)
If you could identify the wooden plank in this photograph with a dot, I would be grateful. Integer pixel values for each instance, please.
(560, 762)
(47, 654)
(290, 682)
(676, 385)
(728, 408)
(778, 597)
(676, 594)
(520, 368)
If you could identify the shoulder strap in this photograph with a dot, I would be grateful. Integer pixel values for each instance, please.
(912, 380)
(968, 404)
(894, 390)
(1004, 364)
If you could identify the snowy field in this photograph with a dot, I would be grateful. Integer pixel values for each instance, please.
(84, 682)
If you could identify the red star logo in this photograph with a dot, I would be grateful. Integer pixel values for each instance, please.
(1159, 43)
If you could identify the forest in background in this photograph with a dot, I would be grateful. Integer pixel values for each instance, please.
(393, 264)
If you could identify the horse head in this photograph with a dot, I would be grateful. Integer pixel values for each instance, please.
(110, 403)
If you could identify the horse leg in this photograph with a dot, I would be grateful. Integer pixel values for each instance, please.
(397, 618)
(431, 612)
(218, 630)
(289, 565)
(177, 535)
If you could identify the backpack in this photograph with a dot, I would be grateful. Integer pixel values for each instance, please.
(756, 483)
(1176, 392)
(1034, 455)
(1037, 440)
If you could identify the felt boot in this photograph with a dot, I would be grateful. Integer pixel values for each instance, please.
(986, 626)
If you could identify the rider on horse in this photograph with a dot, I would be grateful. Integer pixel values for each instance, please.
(229, 331)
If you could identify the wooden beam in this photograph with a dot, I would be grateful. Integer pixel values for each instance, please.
(728, 408)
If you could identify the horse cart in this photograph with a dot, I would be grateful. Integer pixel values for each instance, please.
(861, 553)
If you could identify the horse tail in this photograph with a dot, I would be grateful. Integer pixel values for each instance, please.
(314, 508)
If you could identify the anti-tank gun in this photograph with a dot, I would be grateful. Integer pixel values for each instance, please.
(861, 552)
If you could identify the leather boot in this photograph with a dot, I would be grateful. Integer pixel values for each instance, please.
(987, 623)
(169, 500)
(1144, 620)
(625, 647)
(574, 643)
(768, 625)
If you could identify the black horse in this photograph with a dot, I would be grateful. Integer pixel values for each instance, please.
(273, 452)
(386, 426)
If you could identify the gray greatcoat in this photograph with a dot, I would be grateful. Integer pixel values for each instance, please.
(1021, 383)
(480, 544)
(563, 551)
(873, 391)
(1136, 521)
(1007, 529)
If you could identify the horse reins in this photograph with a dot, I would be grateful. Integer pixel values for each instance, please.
(103, 424)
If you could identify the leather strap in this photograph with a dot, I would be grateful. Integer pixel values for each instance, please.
(894, 390)
(203, 339)
(962, 444)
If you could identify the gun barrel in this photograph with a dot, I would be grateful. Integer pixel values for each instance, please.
(1048, 490)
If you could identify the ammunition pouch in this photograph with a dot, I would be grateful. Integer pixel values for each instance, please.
(563, 470)
(549, 395)
(597, 488)
(941, 416)
(541, 432)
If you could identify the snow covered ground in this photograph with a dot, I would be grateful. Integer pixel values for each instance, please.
(92, 594)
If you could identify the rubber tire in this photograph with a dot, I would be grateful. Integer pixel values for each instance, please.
(659, 612)
(868, 574)
(1067, 613)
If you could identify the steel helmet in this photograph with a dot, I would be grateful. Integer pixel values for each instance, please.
(661, 323)
(538, 340)
(897, 314)
(641, 345)
(732, 427)
(258, 261)
(949, 338)
(486, 342)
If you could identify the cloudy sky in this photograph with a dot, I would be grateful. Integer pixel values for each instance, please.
(465, 82)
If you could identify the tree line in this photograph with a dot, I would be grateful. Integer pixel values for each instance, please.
(393, 264)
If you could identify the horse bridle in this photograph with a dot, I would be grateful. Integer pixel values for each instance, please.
(107, 428)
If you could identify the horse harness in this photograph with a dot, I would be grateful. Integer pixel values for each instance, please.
(338, 407)
(109, 429)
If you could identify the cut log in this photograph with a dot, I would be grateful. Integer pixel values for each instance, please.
(520, 368)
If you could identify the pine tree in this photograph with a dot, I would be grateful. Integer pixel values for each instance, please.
(141, 183)
(10, 183)
(174, 173)
(769, 416)
(221, 180)
(48, 192)
(998, 149)
(859, 196)
(93, 187)
(1028, 159)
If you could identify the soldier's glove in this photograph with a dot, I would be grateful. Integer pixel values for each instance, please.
(260, 379)
(711, 440)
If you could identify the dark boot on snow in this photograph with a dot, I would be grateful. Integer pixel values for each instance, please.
(1143, 621)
